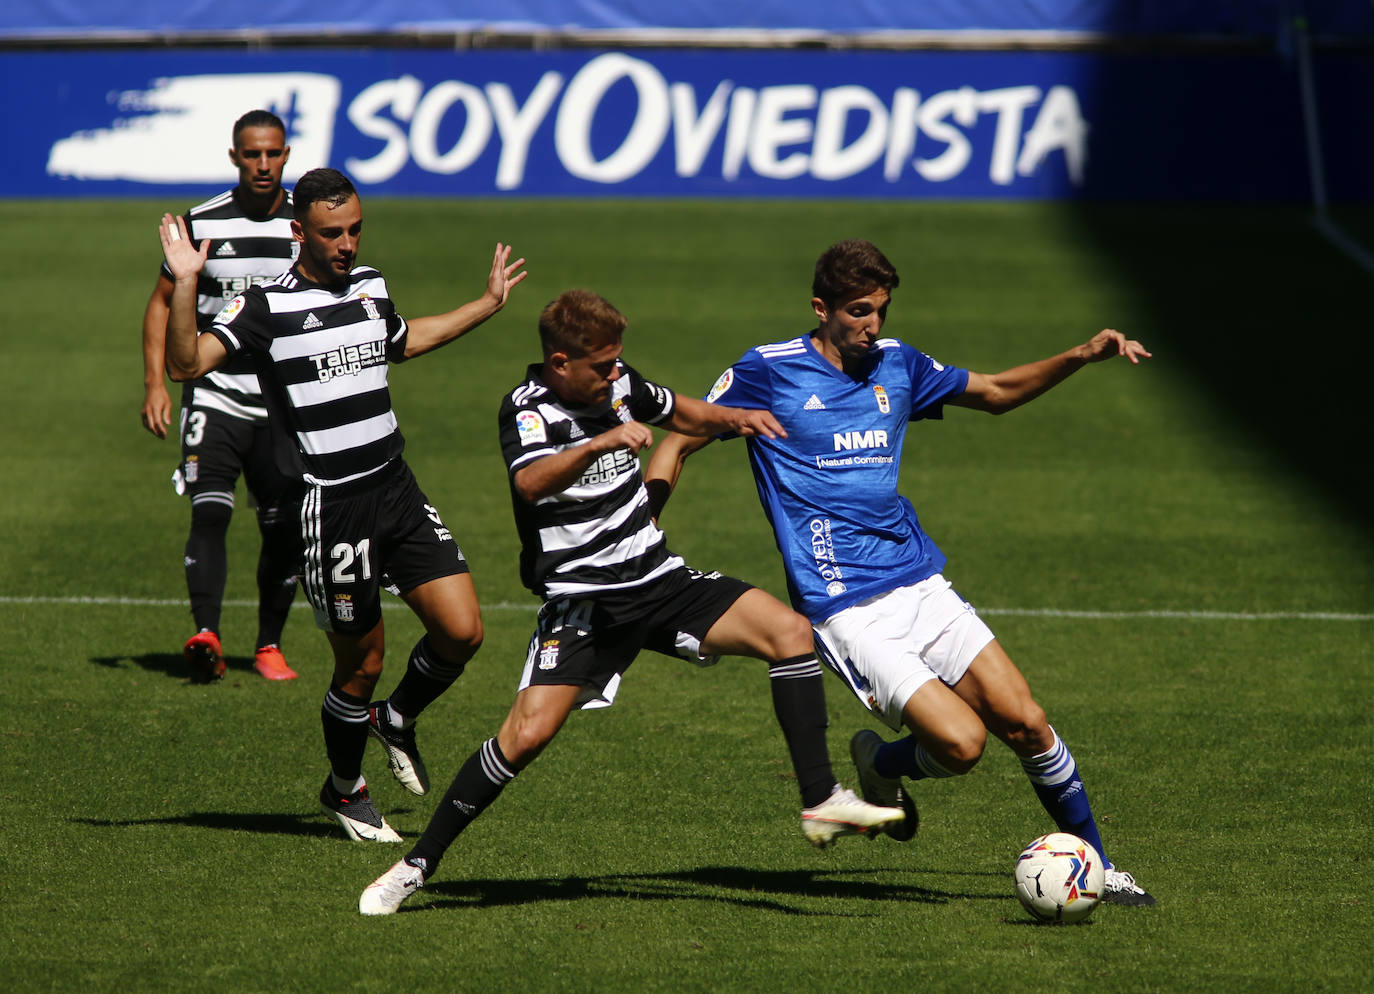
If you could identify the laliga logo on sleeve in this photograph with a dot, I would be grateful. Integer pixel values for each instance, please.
(230, 310)
(530, 427)
(722, 384)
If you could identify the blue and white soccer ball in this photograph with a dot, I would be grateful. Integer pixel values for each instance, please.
(1060, 878)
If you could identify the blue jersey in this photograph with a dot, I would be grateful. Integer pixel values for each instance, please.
(830, 487)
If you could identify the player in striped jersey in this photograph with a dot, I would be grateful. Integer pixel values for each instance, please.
(321, 336)
(857, 560)
(570, 435)
(224, 429)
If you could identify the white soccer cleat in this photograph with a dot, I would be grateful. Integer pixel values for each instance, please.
(880, 790)
(355, 813)
(844, 813)
(402, 754)
(386, 894)
(1120, 888)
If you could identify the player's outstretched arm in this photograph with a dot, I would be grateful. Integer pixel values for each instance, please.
(666, 464)
(998, 393)
(555, 473)
(428, 333)
(156, 414)
(188, 354)
(696, 417)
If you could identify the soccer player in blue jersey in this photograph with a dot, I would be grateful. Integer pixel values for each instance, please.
(858, 563)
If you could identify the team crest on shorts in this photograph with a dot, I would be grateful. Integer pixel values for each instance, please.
(548, 654)
(192, 470)
(881, 394)
(343, 607)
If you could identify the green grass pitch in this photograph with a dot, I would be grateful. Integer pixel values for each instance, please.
(1178, 556)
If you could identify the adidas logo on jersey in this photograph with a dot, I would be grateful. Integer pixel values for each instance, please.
(814, 404)
(225, 250)
(311, 322)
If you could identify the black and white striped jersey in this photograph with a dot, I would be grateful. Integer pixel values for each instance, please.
(322, 356)
(597, 534)
(244, 251)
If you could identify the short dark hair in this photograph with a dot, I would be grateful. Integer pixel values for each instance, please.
(850, 269)
(257, 119)
(578, 322)
(328, 185)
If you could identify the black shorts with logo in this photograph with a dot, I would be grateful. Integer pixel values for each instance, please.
(217, 447)
(591, 641)
(380, 531)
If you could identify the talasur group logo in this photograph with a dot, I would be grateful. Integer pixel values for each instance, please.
(177, 130)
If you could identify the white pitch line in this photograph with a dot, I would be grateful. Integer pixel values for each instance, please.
(1021, 612)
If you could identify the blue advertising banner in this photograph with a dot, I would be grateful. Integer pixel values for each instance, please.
(688, 122)
(101, 18)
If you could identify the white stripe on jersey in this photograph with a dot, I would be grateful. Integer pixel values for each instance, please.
(225, 403)
(585, 533)
(796, 346)
(320, 392)
(602, 488)
(348, 436)
(623, 551)
(326, 340)
(364, 282)
(558, 588)
(220, 228)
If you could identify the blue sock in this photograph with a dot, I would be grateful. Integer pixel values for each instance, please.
(907, 758)
(1054, 775)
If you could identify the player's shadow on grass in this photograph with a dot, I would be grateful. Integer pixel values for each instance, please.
(769, 890)
(312, 824)
(173, 664)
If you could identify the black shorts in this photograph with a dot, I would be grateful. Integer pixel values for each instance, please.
(380, 531)
(591, 641)
(216, 448)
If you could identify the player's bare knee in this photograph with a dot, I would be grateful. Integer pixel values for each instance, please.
(793, 636)
(1027, 732)
(962, 752)
(457, 644)
(522, 741)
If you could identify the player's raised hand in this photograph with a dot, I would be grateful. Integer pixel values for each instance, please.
(505, 275)
(1109, 343)
(184, 259)
(758, 423)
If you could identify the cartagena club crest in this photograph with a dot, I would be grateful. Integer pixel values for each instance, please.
(548, 654)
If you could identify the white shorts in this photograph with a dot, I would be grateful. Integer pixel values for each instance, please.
(886, 647)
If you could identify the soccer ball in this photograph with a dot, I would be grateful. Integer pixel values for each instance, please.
(1059, 878)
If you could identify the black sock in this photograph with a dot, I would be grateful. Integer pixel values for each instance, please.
(799, 703)
(345, 732)
(427, 676)
(279, 562)
(479, 782)
(207, 563)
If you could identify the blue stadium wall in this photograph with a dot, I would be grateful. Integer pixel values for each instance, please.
(1220, 122)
